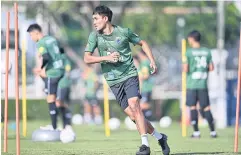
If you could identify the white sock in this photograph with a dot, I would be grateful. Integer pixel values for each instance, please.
(213, 133)
(98, 120)
(87, 118)
(196, 133)
(144, 140)
(156, 134)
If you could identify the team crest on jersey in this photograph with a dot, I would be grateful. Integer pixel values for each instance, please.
(67, 68)
(118, 40)
(41, 49)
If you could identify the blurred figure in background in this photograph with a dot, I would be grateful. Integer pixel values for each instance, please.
(197, 65)
(146, 84)
(50, 66)
(91, 103)
(63, 92)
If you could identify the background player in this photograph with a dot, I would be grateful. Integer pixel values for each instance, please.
(63, 92)
(91, 104)
(146, 84)
(50, 58)
(197, 65)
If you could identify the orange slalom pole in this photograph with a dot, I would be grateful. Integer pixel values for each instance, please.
(5, 149)
(238, 97)
(16, 80)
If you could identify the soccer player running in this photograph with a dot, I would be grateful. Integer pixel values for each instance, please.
(91, 101)
(50, 60)
(63, 92)
(119, 71)
(197, 65)
(146, 85)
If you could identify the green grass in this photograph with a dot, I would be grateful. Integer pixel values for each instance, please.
(92, 141)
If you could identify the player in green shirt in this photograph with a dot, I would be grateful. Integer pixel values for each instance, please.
(198, 62)
(146, 84)
(120, 72)
(91, 102)
(51, 61)
(63, 92)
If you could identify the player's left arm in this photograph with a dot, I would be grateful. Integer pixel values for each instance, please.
(135, 39)
(145, 47)
(185, 67)
(210, 62)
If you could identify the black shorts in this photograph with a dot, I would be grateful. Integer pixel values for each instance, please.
(197, 95)
(63, 94)
(146, 97)
(91, 100)
(51, 85)
(45, 85)
(125, 90)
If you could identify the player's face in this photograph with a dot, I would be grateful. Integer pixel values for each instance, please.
(99, 21)
(34, 35)
(190, 41)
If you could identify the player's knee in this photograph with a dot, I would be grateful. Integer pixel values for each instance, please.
(51, 98)
(133, 100)
(65, 105)
(58, 103)
(135, 108)
(132, 118)
(207, 108)
(193, 108)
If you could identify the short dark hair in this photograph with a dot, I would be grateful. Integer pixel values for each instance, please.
(33, 27)
(196, 35)
(103, 10)
(61, 50)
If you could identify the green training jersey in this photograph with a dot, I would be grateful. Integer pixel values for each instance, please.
(65, 81)
(198, 60)
(117, 41)
(147, 84)
(90, 84)
(55, 66)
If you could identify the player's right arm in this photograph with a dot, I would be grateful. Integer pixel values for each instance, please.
(43, 58)
(185, 66)
(89, 58)
(42, 51)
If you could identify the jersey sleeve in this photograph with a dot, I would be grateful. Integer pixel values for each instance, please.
(132, 37)
(92, 42)
(67, 63)
(209, 58)
(42, 49)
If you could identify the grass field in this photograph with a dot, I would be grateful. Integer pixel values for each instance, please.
(92, 141)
